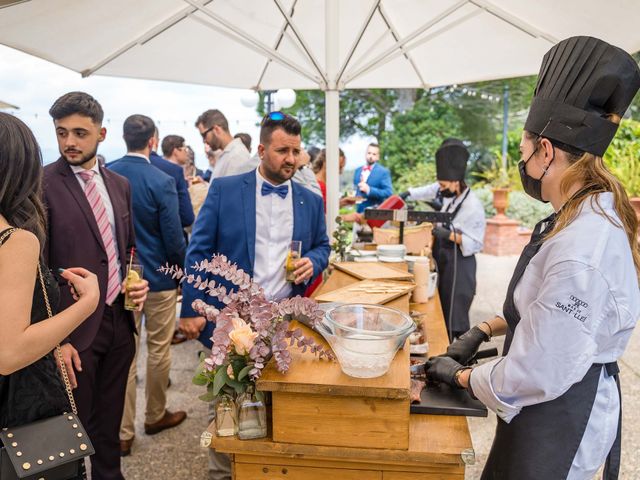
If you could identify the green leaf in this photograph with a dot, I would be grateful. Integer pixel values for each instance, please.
(244, 372)
(220, 379)
(200, 379)
(239, 387)
(260, 395)
(207, 397)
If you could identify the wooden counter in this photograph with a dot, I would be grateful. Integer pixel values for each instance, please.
(316, 406)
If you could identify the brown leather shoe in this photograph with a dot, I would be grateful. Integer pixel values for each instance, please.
(169, 420)
(125, 447)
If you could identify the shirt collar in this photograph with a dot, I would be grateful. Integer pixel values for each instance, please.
(76, 169)
(133, 154)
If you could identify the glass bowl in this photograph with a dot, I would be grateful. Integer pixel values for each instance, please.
(365, 338)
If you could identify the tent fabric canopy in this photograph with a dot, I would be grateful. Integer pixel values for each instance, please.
(269, 44)
(329, 45)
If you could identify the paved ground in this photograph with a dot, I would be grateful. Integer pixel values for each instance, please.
(175, 454)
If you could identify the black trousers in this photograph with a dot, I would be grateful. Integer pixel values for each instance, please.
(101, 389)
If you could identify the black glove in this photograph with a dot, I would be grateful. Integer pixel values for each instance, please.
(465, 347)
(435, 204)
(404, 195)
(441, 233)
(443, 369)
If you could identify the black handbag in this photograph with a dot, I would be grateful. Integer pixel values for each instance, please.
(51, 449)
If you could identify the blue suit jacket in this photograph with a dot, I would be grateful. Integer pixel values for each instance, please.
(159, 235)
(379, 182)
(174, 171)
(226, 225)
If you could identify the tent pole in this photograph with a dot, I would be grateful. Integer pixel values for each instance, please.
(332, 114)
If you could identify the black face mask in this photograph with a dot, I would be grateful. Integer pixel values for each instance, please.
(532, 186)
(446, 193)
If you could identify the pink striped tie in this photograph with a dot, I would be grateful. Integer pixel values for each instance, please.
(102, 219)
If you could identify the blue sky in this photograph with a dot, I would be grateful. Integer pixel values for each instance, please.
(34, 84)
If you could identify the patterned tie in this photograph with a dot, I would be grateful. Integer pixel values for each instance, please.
(102, 219)
(268, 189)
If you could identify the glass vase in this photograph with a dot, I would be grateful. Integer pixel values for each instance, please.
(226, 417)
(252, 416)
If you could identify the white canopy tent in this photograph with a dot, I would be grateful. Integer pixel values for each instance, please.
(310, 44)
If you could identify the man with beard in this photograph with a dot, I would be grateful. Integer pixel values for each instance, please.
(235, 158)
(252, 219)
(90, 224)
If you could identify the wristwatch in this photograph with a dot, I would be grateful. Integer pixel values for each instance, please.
(456, 376)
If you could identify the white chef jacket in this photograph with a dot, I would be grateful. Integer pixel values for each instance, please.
(469, 222)
(579, 301)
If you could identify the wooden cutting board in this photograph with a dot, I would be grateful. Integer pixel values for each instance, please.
(372, 270)
(368, 291)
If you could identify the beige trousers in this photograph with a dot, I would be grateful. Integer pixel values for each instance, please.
(160, 315)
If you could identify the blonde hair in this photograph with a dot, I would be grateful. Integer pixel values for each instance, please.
(590, 171)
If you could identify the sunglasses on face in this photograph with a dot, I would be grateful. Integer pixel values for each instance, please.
(204, 134)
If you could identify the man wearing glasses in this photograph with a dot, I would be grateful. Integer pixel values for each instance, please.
(252, 219)
(235, 158)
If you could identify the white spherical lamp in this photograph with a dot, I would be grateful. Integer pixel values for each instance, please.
(250, 99)
(285, 97)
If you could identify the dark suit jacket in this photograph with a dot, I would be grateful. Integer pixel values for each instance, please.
(74, 240)
(226, 225)
(380, 188)
(159, 235)
(174, 171)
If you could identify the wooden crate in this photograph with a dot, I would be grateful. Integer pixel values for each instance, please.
(315, 403)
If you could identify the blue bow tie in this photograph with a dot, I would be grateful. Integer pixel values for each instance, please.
(281, 190)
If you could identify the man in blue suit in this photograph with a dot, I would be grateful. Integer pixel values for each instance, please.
(159, 240)
(177, 173)
(372, 181)
(251, 219)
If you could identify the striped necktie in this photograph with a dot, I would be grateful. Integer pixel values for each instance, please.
(102, 219)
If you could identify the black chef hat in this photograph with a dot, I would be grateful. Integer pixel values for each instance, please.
(451, 160)
(581, 80)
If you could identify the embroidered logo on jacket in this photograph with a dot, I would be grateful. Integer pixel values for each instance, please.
(575, 307)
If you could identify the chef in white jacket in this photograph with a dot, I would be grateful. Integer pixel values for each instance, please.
(455, 244)
(574, 299)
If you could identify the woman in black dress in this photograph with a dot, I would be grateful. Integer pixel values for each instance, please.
(30, 386)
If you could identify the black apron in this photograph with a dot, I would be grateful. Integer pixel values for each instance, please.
(542, 440)
(451, 262)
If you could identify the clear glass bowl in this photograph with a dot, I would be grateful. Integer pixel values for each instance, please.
(365, 338)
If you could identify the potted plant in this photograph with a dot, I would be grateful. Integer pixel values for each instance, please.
(498, 179)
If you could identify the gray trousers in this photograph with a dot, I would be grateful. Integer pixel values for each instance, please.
(219, 463)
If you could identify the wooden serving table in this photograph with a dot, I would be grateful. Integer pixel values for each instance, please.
(326, 424)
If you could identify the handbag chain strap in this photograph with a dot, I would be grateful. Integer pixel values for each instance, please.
(63, 367)
(6, 234)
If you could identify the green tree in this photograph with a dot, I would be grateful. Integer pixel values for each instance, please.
(362, 112)
(416, 134)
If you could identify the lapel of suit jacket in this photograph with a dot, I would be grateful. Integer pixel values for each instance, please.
(71, 182)
(298, 212)
(118, 209)
(249, 203)
(371, 173)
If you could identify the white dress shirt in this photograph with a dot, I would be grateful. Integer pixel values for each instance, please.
(579, 302)
(102, 190)
(470, 221)
(274, 231)
(234, 160)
